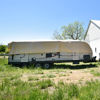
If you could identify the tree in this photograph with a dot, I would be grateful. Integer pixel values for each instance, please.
(3, 48)
(73, 31)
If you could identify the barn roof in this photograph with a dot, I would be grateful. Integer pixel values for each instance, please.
(95, 22)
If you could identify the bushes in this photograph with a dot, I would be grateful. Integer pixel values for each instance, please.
(3, 48)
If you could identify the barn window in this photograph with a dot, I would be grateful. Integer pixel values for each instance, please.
(95, 49)
(99, 55)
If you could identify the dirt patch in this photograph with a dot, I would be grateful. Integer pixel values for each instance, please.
(66, 76)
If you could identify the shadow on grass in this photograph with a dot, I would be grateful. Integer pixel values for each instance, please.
(78, 66)
(61, 66)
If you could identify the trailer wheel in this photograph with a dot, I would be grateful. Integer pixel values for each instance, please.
(37, 65)
(47, 65)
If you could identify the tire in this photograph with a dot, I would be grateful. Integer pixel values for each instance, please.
(46, 65)
(37, 65)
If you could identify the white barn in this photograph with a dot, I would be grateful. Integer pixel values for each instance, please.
(93, 37)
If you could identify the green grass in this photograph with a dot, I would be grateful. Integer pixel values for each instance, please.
(95, 72)
(32, 78)
(20, 90)
(43, 84)
(90, 91)
(50, 76)
(38, 71)
(13, 88)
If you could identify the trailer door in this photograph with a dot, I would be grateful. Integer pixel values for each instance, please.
(75, 56)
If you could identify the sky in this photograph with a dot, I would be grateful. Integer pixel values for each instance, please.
(30, 20)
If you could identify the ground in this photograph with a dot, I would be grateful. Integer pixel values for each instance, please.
(64, 81)
(56, 75)
(74, 74)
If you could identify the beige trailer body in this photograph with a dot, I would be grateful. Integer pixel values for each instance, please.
(49, 46)
(48, 51)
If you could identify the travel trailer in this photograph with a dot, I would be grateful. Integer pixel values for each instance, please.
(45, 53)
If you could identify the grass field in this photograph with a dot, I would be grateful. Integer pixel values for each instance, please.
(61, 82)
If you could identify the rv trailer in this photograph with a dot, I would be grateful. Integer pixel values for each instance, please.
(45, 53)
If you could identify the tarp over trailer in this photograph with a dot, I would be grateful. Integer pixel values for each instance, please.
(49, 46)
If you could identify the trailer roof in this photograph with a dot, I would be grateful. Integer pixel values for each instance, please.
(49, 46)
(69, 40)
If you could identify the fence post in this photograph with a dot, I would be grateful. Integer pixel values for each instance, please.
(4, 55)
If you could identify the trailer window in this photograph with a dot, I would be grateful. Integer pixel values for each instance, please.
(95, 49)
(41, 54)
(48, 55)
(58, 53)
